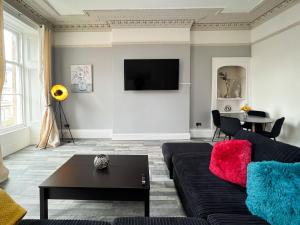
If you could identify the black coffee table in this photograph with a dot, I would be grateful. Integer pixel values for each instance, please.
(77, 179)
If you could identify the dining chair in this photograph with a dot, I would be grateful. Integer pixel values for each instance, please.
(258, 126)
(276, 129)
(230, 126)
(217, 122)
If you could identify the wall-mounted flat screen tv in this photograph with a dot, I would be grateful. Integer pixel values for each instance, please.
(151, 74)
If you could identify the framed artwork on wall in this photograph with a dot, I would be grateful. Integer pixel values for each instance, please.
(81, 78)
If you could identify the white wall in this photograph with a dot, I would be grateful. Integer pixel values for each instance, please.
(276, 72)
(82, 39)
(276, 25)
(152, 35)
(14, 141)
(221, 38)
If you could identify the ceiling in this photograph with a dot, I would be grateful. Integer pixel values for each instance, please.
(77, 7)
(66, 15)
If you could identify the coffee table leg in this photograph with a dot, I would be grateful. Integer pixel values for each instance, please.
(43, 204)
(147, 205)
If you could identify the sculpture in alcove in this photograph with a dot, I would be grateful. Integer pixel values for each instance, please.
(233, 86)
(224, 77)
(236, 89)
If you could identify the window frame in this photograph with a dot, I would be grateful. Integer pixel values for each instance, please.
(19, 64)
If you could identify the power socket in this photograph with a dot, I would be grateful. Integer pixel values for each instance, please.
(198, 124)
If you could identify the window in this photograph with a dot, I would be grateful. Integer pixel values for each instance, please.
(12, 113)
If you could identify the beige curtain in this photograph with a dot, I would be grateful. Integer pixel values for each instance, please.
(3, 169)
(49, 135)
(2, 60)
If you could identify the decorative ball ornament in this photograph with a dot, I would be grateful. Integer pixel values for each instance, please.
(59, 92)
(101, 161)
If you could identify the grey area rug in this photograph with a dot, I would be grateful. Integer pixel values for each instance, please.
(30, 166)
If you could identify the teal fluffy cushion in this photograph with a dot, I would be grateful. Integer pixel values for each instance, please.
(273, 190)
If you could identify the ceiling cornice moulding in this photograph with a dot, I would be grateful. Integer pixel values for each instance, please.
(25, 9)
(150, 23)
(220, 26)
(82, 28)
(196, 19)
(273, 12)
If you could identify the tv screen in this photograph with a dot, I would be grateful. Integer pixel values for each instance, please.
(151, 74)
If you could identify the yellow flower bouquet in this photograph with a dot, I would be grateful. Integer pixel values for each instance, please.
(246, 108)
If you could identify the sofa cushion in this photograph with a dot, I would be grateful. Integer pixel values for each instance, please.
(169, 149)
(229, 160)
(273, 191)
(62, 222)
(265, 149)
(201, 192)
(159, 221)
(235, 219)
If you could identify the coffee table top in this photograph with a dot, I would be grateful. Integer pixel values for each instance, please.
(123, 172)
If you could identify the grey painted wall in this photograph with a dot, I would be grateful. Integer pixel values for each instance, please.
(151, 111)
(87, 110)
(201, 78)
(110, 107)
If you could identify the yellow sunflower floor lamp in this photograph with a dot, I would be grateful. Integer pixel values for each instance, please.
(60, 93)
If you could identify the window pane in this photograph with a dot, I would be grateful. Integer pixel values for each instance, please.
(13, 81)
(32, 50)
(11, 46)
(11, 110)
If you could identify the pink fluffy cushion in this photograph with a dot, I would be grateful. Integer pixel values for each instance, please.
(229, 160)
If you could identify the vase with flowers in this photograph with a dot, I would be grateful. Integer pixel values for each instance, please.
(246, 108)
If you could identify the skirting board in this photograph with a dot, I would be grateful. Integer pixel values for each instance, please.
(108, 133)
(93, 133)
(201, 133)
(152, 136)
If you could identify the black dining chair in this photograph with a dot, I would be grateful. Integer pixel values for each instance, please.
(217, 122)
(276, 129)
(258, 126)
(230, 126)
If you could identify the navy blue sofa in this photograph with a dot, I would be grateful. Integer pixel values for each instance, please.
(206, 199)
(123, 221)
(62, 222)
(204, 195)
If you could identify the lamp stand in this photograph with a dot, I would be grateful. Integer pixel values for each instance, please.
(62, 116)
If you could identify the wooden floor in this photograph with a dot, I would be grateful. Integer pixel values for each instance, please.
(30, 166)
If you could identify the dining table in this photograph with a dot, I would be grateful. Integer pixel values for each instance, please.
(255, 120)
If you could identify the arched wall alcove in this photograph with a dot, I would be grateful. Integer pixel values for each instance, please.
(230, 84)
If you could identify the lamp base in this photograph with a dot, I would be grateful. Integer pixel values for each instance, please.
(62, 116)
